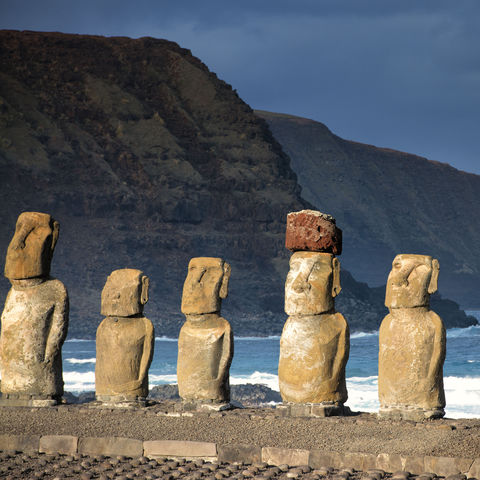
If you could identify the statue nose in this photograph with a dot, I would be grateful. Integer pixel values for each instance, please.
(300, 284)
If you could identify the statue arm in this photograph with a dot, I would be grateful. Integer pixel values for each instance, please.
(341, 355)
(58, 326)
(439, 350)
(147, 355)
(227, 351)
(343, 347)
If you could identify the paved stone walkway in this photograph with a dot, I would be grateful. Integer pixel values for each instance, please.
(14, 465)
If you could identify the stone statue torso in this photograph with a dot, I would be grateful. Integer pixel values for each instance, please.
(205, 351)
(34, 326)
(122, 344)
(313, 353)
(411, 354)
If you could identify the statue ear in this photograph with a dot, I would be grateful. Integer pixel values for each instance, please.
(144, 293)
(433, 286)
(226, 277)
(55, 233)
(336, 287)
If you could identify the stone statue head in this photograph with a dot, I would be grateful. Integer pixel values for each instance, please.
(205, 286)
(312, 283)
(125, 293)
(30, 251)
(411, 281)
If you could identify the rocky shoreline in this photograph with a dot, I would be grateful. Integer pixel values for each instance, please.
(248, 395)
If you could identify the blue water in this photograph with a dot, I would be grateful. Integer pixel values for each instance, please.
(256, 361)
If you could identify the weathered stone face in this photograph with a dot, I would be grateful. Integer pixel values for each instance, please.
(205, 286)
(34, 327)
(125, 341)
(30, 251)
(313, 354)
(411, 281)
(125, 293)
(412, 342)
(205, 352)
(310, 230)
(312, 283)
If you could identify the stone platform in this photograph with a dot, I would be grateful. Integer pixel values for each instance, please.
(251, 435)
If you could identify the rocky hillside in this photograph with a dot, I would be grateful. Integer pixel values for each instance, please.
(388, 202)
(147, 159)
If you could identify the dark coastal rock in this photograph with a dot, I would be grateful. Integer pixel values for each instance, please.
(245, 394)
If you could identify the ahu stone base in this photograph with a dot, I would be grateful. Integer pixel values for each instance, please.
(313, 409)
(205, 406)
(119, 401)
(410, 413)
(24, 400)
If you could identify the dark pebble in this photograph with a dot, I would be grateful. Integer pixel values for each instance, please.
(457, 476)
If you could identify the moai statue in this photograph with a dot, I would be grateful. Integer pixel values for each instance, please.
(125, 341)
(35, 317)
(315, 341)
(412, 343)
(205, 343)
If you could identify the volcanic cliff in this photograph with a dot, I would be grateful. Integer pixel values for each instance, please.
(388, 202)
(147, 159)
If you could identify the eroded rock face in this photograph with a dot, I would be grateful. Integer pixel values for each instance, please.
(205, 343)
(315, 341)
(125, 340)
(313, 231)
(412, 342)
(35, 317)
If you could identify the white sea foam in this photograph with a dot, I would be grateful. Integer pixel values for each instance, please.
(472, 331)
(363, 334)
(363, 393)
(166, 339)
(161, 379)
(262, 378)
(81, 360)
(270, 337)
(79, 381)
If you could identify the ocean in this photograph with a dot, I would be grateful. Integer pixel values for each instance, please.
(256, 361)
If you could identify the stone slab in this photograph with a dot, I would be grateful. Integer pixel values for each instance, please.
(474, 471)
(179, 448)
(321, 458)
(313, 231)
(357, 461)
(20, 443)
(64, 444)
(413, 464)
(389, 462)
(281, 456)
(239, 453)
(110, 446)
(445, 466)
(9, 400)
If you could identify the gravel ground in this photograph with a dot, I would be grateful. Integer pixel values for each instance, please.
(82, 467)
(254, 426)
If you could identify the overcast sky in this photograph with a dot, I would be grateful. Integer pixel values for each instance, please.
(403, 74)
